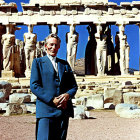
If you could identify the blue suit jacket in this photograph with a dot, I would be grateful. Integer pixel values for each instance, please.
(42, 84)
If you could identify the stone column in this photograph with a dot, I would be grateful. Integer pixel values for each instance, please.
(101, 50)
(53, 29)
(2, 31)
(8, 42)
(30, 40)
(124, 51)
(72, 41)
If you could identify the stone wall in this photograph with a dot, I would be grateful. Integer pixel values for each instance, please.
(93, 93)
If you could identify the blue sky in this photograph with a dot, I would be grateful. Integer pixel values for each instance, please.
(132, 32)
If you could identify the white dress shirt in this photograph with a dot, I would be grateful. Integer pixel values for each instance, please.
(53, 60)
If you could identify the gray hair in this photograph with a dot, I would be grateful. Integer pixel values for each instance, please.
(52, 36)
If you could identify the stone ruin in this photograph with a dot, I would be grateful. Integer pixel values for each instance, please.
(107, 75)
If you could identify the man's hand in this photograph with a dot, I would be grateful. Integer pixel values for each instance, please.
(61, 101)
(57, 100)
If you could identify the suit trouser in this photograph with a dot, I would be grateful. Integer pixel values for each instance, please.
(52, 128)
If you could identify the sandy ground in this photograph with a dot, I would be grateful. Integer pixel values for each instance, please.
(105, 125)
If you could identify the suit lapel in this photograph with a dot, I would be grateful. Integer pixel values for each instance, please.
(47, 63)
(61, 69)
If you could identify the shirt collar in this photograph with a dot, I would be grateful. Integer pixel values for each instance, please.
(51, 57)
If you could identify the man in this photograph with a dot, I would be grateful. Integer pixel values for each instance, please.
(54, 85)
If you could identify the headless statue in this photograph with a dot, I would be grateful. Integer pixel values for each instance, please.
(101, 52)
(124, 55)
(72, 41)
(30, 40)
(8, 42)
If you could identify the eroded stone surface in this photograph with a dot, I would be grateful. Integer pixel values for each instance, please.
(128, 110)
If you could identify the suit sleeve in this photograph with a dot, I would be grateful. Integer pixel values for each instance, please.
(36, 84)
(72, 83)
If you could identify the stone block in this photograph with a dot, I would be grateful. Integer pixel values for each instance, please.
(19, 98)
(132, 98)
(5, 89)
(16, 86)
(22, 91)
(15, 109)
(99, 90)
(79, 112)
(109, 106)
(110, 11)
(7, 74)
(137, 90)
(79, 101)
(2, 98)
(112, 95)
(95, 101)
(136, 72)
(126, 83)
(31, 108)
(33, 98)
(24, 86)
(90, 87)
(128, 90)
(24, 81)
(127, 110)
(3, 106)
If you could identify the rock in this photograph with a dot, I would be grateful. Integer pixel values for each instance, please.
(31, 108)
(109, 106)
(3, 106)
(132, 98)
(127, 83)
(95, 101)
(5, 89)
(15, 109)
(79, 112)
(2, 99)
(127, 110)
(112, 95)
(79, 101)
(33, 98)
(19, 98)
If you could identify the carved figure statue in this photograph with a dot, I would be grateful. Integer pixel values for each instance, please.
(8, 42)
(39, 49)
(124, 51)
(117, 54)
(124, 55)
(30, 40)
(53, 29)
(72, 41)
(101, 51)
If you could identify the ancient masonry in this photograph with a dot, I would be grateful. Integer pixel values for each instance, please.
(107, 81)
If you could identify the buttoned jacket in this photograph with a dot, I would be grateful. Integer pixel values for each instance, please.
(43, 85)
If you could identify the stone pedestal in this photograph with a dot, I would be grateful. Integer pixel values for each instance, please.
(28, 73)
(136, 72)
(7, 74)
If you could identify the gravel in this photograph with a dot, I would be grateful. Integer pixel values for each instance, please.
(103, 125)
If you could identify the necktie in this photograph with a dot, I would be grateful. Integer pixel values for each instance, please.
(54, 64)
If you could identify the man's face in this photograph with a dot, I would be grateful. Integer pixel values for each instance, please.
(52, 46)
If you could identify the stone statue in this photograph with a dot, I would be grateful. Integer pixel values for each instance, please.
(39, 49)
(124, 55)
(72, 41)
(53, 29)
(90, 53)
(124, 51)
(101, 50)
(30, 40)
(8, 42)
(117, 54)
